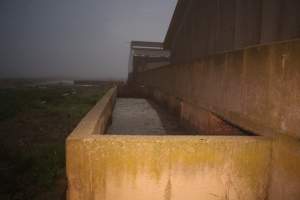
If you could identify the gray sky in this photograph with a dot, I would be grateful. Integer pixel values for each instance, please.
(76, 38)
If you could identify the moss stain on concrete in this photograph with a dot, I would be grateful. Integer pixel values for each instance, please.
(123, 159)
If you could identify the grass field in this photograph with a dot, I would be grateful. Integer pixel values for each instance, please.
(34, 123)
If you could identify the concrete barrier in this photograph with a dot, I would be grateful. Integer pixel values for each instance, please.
(256, 88)
(285, 170)
(95, 122)
(108, 167)
(98, 118)
(168, 167)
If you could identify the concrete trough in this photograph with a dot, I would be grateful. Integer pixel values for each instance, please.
(168, 167)
(122, 167)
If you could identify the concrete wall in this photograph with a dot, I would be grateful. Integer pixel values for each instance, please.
(285, 170)
(95, 122)
(204, 27)
(177, 167)
(200, 120)
(168, 168)
(255, 88)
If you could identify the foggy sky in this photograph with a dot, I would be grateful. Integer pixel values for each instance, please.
(76, 38)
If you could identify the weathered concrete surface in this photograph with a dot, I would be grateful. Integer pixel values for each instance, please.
(205, 27)
(168, 168)
(202, 121)
(256, 88)
(176, 167)
(95, 122)
(285, 177)
(97, 119)
(141, 116)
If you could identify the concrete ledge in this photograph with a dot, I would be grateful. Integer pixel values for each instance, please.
(168, 167)
(97, 119)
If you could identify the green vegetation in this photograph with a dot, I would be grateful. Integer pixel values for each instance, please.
(34, 123)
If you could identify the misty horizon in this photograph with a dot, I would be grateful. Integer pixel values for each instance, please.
(76, 39)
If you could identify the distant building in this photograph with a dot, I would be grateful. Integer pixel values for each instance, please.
(146, 56)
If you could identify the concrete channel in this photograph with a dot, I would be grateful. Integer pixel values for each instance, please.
(131, 164)
(141, 116)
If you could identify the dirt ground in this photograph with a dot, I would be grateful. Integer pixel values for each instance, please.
(34, 123)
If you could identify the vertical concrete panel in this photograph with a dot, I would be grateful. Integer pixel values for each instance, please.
(256, 83)
(187, 44)
(78, 170)
(176, 54)
(203, 20)
(233, 81)
(284, 106)
(195, 81)
(201, 30)
(189, 81)
(290, 23)
(172, 81)
(280, 20)
(277, 91)
(190, 30)
(217, 69)
(248, 23)
(198, 81)
(212, 13)
(184, 33)
(194, 37)
(211, 26)
(209, 79)
(185, 81)
(194, 31)
(290, 105)
(206, 78)
(226, 25)
(270, 27)
(285, 177)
